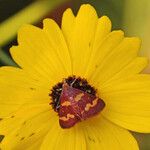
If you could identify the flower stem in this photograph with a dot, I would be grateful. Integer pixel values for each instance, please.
(30, 14)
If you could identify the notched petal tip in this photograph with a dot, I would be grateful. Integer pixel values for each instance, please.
(68, 11)
(12, 48)
(119, 32)
(24, 31)
(134, 41)
(116, 34)
(86, 8)
(50, 25)
(68, 16)
(47, 22)
(106, 20)
(24, 27)
(67, 23)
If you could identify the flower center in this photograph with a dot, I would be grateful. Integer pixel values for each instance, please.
(77, 83)
(75, 100)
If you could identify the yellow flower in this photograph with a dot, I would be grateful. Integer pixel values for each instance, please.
(86, 48)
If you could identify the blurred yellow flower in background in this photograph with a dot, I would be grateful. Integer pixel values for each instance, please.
(137, 22)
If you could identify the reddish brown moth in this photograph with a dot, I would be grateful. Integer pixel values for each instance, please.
(77, 105)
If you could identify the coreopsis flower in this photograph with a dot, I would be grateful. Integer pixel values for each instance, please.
(76, 88)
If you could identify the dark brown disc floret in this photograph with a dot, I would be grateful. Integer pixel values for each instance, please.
(75, 82)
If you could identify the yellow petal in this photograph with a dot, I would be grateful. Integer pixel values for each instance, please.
(17, 88)
(101, 51)
(102, 30)
(116, 60)
(81, 36)
(36, 145)
(29, 129)
(42, 52)
(134, 67)
(68, 21)
(101, 34)
(58, 43)
(23, 113)
(128, 102)
(104, 135)
(64, 139)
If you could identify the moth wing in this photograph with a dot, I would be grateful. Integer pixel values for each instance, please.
(67, 117)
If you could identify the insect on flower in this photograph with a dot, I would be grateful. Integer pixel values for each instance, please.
(78, 87)
(76, 105)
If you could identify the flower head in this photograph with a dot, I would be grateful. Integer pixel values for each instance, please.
(84, 76)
